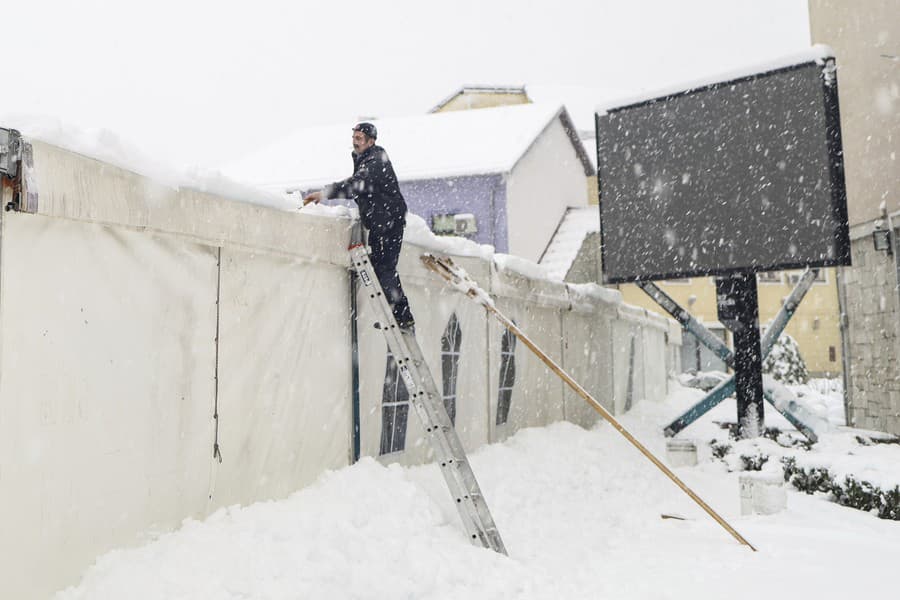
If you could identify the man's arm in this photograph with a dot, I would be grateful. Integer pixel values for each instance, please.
(347, 188)
(360, 182)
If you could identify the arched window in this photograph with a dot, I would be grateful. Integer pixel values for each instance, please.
(507, 375)
(394, 409)
(450, 344)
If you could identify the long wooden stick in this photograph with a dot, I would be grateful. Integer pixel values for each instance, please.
(478, 295)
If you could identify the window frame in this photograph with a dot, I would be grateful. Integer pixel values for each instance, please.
(507, 375)
(451, 343)
(394, 409)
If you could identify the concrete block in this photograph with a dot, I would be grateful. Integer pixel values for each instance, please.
(681, 453)
(762, 494)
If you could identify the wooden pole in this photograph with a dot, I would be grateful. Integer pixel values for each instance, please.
(447, 273)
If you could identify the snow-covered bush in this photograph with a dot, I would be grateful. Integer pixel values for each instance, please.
(851, 492)
(784, 362)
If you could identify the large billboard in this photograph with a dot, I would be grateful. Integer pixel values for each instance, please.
(734, 176)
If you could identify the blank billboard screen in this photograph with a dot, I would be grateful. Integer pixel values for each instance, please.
(743, 175)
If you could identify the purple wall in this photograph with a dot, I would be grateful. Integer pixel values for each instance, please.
(482, 195)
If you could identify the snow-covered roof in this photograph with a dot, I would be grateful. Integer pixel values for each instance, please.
(563, 248)
(457, 143)
(817, 53)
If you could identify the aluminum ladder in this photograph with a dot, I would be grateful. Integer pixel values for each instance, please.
(428, 405)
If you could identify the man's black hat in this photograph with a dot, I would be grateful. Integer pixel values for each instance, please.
(368, 129)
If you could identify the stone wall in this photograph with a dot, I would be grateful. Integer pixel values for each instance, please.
(872, 309)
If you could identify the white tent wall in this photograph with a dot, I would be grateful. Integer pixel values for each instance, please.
(587, 357)
(108, 315)
(106, 390)
(628, 357)
(535, 306)
(653, 349)
(673, 342)
(131, 311)
(284, 399)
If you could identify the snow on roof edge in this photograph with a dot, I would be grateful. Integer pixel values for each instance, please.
(816, 53)
(108, 147)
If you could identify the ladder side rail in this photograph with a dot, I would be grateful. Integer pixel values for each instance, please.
(474, 513)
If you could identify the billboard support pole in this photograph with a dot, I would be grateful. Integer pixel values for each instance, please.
(706, 337)
(738, 306)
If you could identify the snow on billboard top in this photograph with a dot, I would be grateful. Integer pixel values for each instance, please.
(740, 175)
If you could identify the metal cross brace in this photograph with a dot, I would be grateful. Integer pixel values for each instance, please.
(708, 339)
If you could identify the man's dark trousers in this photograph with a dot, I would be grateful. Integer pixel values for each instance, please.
(385, 252)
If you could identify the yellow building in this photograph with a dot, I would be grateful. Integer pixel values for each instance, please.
(815, 326)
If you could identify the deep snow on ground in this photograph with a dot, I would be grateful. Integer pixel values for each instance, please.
(579, 512)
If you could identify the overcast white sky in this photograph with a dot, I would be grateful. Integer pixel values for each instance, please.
(200, 82)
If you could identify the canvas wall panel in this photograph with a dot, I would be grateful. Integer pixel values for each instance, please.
(627, 350)
(587, 359)
(284, 375)
(106, 393)
(655, 363)
(537, 397)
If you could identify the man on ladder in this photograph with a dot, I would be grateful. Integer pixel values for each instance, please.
(382, 211)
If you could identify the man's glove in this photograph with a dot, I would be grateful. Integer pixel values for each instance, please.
(314, 197)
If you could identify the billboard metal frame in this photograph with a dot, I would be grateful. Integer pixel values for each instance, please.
(836, 176)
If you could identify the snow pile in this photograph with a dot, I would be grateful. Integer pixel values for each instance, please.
(825, 396)
(579, 512)
(106, 146)
(522, 266)
(786, 401)
(703, 380)
(595, 291)
(417, 232)
(334, 212)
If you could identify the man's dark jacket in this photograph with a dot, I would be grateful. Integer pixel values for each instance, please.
(374, 187)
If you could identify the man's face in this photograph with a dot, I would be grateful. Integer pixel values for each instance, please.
(361, 141)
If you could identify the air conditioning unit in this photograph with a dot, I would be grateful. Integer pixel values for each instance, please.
(443, 224)
(465, 224)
